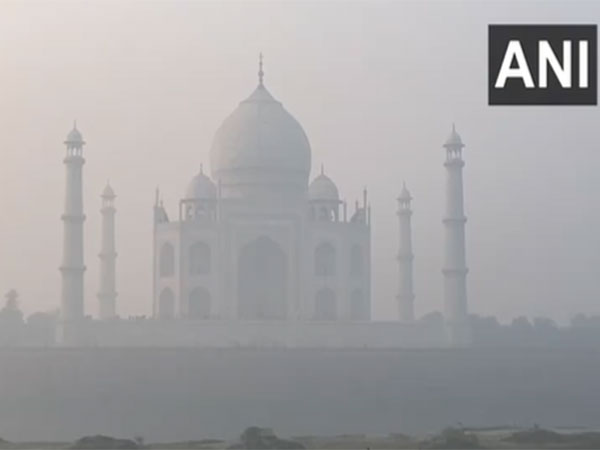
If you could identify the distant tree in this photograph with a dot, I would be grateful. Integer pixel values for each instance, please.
(432, 319)
(486, 331)
(521, 323)
(546, 331)
(256, 438)
(100, 442)
(579, 320)
(251, 437)
(11, 311)
(452, 438)
(544, 323)
(11, 320)
(520, 332)
(584, 331)
(41, 328)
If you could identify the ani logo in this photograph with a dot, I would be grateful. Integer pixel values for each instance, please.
(542, 65)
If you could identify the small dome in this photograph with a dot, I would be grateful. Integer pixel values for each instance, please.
(74, 136)
(454, 139)
(108, 192)
(323, 188)
(201, 187)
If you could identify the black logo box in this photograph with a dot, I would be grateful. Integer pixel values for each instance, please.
(514, 91)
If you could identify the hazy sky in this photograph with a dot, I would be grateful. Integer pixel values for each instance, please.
(376, 87)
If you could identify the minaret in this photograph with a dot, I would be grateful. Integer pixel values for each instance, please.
(107, 294)
(261, 73)
(455, 267)
(72, 268)
(406, 294)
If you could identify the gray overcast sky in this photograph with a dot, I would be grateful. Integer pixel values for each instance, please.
(376, 87)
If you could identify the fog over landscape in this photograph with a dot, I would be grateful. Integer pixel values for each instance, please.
(277, 312)
(376, 87)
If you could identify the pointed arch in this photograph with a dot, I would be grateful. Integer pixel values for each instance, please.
(199, 259)
(199, 304)
(166, 304)
(359, 308)
(166, 263)
(325, 260)
(262, 281)
(356, 261)
(325, 305)
(326, 214)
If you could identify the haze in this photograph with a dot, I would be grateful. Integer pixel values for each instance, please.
(376, 87)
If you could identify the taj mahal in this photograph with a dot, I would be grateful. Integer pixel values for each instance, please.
(259, 253)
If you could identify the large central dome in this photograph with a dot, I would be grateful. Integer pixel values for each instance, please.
(260, 148)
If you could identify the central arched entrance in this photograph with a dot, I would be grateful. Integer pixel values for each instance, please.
(262, 281)
(325, 307)
(166, 304)
(199, 304)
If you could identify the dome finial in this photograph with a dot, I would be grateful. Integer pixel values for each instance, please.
(261, 74)
(108, 192)
(405, 193)
(200, 187)
(74, 136)
(454, 139)
(323, 188)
